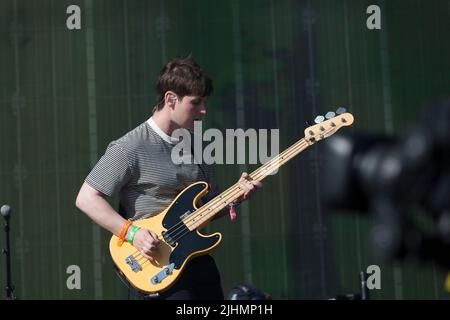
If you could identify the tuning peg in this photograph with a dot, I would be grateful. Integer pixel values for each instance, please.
(341, 110)
(319, 119)
(330, 115)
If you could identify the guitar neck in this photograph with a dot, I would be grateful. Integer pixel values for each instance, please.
(214, 206)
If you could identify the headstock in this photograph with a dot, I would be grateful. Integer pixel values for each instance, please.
(325, 128)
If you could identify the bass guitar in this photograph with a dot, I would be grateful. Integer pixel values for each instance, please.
(178, 225)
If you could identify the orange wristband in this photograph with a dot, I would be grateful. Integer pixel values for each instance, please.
(123, 232)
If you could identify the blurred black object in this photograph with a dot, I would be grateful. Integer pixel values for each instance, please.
(363, 283)
(5, 212)
(246, 291)
(394, 178)
(364, 295)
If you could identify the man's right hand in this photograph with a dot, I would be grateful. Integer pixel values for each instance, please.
(147, 242)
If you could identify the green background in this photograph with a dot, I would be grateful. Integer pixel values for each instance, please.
(65, 94)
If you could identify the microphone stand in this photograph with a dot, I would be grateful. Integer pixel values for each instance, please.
(5, 211)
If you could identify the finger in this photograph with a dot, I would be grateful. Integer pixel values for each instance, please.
(150, 251)
(244, 175)
(144, 251)
(244, 187)
(250, 192)
(147, 241)
(250, 186)
(257, 183)
(148, 257)
(148, 234)
(151, 247)
(151, 237)
(154, 236)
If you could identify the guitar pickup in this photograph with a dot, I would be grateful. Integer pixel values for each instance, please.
(168, 239)
(164, 273)
(134, 265)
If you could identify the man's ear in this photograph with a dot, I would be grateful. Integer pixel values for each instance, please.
(171, 98)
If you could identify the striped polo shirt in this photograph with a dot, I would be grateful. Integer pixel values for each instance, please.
(138, 170)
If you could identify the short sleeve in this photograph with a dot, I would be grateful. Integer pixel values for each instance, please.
(111, 172)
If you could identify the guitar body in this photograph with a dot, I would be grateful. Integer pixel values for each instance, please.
(178, 244)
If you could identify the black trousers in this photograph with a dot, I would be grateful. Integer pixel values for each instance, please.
(200, 280)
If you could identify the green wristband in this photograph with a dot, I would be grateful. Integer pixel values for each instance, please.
(132, 233)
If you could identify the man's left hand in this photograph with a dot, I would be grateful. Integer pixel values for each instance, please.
(248, 185)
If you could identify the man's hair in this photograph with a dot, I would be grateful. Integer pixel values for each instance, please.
(184, 77)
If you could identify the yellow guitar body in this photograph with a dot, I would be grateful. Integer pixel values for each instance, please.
(169, 261)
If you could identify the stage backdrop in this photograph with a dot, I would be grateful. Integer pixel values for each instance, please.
(65, 94)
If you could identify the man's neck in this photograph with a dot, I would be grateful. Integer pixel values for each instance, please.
(163, 121)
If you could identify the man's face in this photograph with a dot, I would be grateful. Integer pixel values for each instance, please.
(188, 110)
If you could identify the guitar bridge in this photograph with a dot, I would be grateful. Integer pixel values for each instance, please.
(134, 265)
(164, 273)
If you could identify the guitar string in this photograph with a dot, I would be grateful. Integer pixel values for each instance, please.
(295, 148)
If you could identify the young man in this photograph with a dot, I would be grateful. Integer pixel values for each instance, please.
(139, 171)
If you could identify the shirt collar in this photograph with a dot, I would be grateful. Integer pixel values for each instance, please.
(161, 133)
